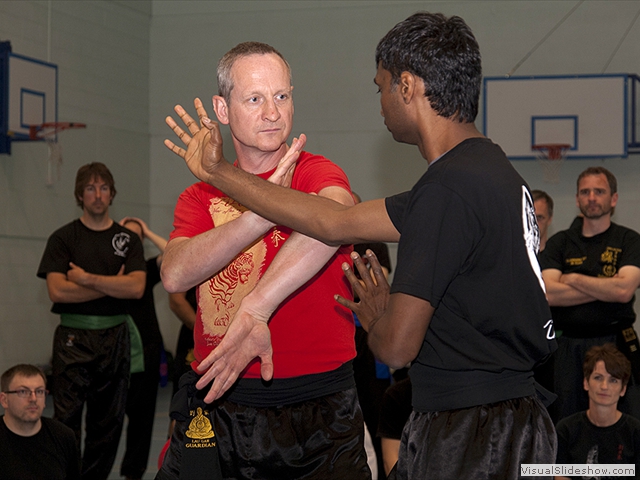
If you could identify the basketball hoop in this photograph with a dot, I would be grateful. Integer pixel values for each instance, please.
(550, 157)
(49, 133)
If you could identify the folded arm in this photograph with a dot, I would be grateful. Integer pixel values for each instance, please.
(191, 261)
(560, 294)
(80, 286)
(248, 336)
(620, 288)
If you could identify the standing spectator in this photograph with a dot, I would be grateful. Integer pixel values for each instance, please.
(143, 386)
(93, 266)
(543, 205)
(591, 272)
(33, 447)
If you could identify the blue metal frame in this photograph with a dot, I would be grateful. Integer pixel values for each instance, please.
(630, 116)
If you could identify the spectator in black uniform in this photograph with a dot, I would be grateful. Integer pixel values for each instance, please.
(33, 447)
(93, 266)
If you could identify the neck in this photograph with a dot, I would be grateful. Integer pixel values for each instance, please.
(259, 162)
(435, 142)
(96, 222)
(594, 226)
(603, 416)
(24, 429)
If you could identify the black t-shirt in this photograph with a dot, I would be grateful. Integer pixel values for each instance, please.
(49, 454)
(143, 311)
(599, 256)
(468, 246)
(580, 441)
(100, 252)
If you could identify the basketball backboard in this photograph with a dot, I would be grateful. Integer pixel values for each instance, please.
(594, 114)
(28, 95)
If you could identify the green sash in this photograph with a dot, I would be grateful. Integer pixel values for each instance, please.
(100, 322)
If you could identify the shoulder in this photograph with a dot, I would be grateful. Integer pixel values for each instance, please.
(631, 422)
(57, 427)
(67, 229)
(315, 172)
(571, 422)
(625, 231)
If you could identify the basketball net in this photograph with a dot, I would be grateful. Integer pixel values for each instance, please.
(551, 157)
(54, 164)
(49, 133)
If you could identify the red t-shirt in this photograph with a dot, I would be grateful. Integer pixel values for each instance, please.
(310, 331)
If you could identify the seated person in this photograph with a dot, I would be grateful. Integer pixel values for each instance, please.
(33, 447)
(602, 434)
(394, 413)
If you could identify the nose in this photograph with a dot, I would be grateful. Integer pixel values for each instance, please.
(271, 111)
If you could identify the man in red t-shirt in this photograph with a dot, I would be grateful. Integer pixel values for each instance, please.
(303, 419)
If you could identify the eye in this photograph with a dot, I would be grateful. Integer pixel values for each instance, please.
(282, 97)
(253, 100)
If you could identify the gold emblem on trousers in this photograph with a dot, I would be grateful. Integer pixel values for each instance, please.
(200, 431)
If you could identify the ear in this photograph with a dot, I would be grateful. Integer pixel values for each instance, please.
(614, 199)
(221, 108)
(623, 391)
(407, 85)
(585, 384)
(3, 400)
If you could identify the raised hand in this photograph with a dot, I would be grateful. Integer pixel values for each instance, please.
(287, 165)
(203, 141)
(248, 337)
(372, 289)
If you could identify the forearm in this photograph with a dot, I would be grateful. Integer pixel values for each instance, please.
(62, 290)
(129, 286)
(322, 218)
(299, 260)
(562, 295)
(190, 261)
(182, 309)
(610, 289)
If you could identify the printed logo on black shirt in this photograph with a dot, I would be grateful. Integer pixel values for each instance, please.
(120, 243)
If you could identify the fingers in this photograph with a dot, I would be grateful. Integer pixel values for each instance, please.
(191, 124)
(181, 152)
(202, 113)
(376, 269)
(350, 304)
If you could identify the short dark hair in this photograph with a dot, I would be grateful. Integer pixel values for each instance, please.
(444, 53)
(225, 82)
(614, 361)
(89, 171)
(23, 369)
(542, 195)
(611, 178)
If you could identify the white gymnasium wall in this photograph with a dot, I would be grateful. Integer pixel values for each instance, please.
(118, 59)
(102, 52)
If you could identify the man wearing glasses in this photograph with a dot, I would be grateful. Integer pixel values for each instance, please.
(33, 447)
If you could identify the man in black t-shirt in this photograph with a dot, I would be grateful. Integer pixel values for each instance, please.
(591, 272)
(93, 266)
(33, 447)
(467, 306)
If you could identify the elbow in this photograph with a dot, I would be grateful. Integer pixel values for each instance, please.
(170, 280)
(625, 296)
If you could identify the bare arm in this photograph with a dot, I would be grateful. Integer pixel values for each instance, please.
(125, 286)
(390, 450)
(191, 261)
(560, 294)
(317, 217)
(620, 288)
(62, 290)
(182, 309)
(248, 336)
